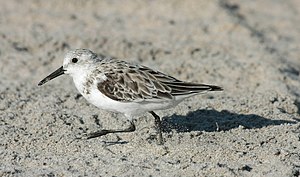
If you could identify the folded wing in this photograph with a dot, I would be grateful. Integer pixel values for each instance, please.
(136, 83)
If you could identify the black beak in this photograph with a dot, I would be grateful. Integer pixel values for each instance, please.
(58, 72)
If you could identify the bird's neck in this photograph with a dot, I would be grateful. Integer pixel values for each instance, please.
(85, 81)
(79, 78)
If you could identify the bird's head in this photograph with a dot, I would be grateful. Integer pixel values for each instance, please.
(75, 62)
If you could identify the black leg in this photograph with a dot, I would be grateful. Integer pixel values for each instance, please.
(158, 127)
(131, 128)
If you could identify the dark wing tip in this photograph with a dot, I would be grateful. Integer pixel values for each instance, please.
(216, 88)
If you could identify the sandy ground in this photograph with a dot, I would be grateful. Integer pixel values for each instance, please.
(251, 48)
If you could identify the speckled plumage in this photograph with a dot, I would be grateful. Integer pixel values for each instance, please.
(128, 82)
(124, 87)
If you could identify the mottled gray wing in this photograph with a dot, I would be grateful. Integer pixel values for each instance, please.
(133, 84)
(179, 87)
(140, 83)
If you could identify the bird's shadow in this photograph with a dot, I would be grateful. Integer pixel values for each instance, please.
(212, 120)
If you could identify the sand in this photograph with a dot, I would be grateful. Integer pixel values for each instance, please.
(250, 48)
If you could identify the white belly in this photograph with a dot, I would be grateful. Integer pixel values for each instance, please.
(129, 109)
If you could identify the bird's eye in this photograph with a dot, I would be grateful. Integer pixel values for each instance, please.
(74, 60)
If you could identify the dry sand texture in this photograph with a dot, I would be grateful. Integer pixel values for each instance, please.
(251, 48)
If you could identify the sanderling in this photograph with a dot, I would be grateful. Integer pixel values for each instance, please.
(123, 87)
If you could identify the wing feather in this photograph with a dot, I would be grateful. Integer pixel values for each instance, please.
(127, 82)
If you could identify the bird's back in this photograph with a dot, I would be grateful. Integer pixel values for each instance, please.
(128, 82)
